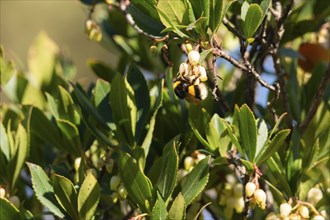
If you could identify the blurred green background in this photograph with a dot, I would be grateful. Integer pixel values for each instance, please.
(22, 20)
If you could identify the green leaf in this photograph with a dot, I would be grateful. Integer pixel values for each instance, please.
(264, 5)
(253, 19)
(88, 197)
(137, 184)
(66, 195)
(218, 9)
(247, 131)
(195, 181)
(233, 137)
(22, 145)
(148, 7)
(176, 11)
(168, 170)
(101, 91)
(5, 147)
(136, 80)
(41, 60)
(213, 132)
(71, 134)
(201, 8)
(148, 138)
(169, 25)
(268, 150)
(262, 134)
(159, 211)
(123, 108)
(102, 70)
(220, 161)
(87, 106)
(44, 190)
(145, 22)
(8, 211)
(204, 54)
(244, 10)
(178, 208)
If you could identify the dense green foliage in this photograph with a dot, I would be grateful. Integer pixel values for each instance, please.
(126, 146)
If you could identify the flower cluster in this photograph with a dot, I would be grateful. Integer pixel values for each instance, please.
(232, 197)
(119, 189)
(255, 195)
(192, 71)
(301, 209)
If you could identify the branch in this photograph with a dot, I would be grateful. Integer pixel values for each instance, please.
(317, 100)
(246, 67)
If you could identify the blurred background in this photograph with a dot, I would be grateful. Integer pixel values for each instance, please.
(22, 20)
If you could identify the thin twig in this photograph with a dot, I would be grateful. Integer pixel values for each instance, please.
(316, 100)
(247, 68)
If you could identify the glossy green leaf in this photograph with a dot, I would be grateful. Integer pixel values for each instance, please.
(87, 106)
(168, 170)
(220, 161)
(88, 197)
(44, 190)
(8, 211)
(102, 70)
(268, 150)
(262, 134)
(41, 60)
(137, 184)
(195, 181)
(233, 137)
(148, 138)
(123, 106)
(178, 208)
(66, 195)
(170, 26)
(150, 25)
(247, 131)
(136, 80)
(5, 148)
(264, 5)
(252, 20)
(218, 9)
(22, 146)
(244, 10)
(159, 211)
(176, 11)
(201, 8)
(214, 131)
(100, 92)
(71, 134)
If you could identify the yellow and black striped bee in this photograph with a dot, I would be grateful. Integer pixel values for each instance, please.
(190, 90)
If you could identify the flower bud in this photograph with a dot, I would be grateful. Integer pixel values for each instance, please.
(303, 211)
(2, 192)
(15, 201)
(100, 163)
(200, 157)
(77, 162)
(285, 209)
(238, 189)
(114, 182)
(114, 197)
(122, 192)
(250, 187)
(153, 50)
(188, 163)
(314, 195)
(109, 165)
(272, 216)
(188, 47)
(193, 57)
(293, 216)
(239, 204)
(260, 197)
(318, 217)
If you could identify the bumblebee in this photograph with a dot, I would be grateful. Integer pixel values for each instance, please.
(192, 92)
